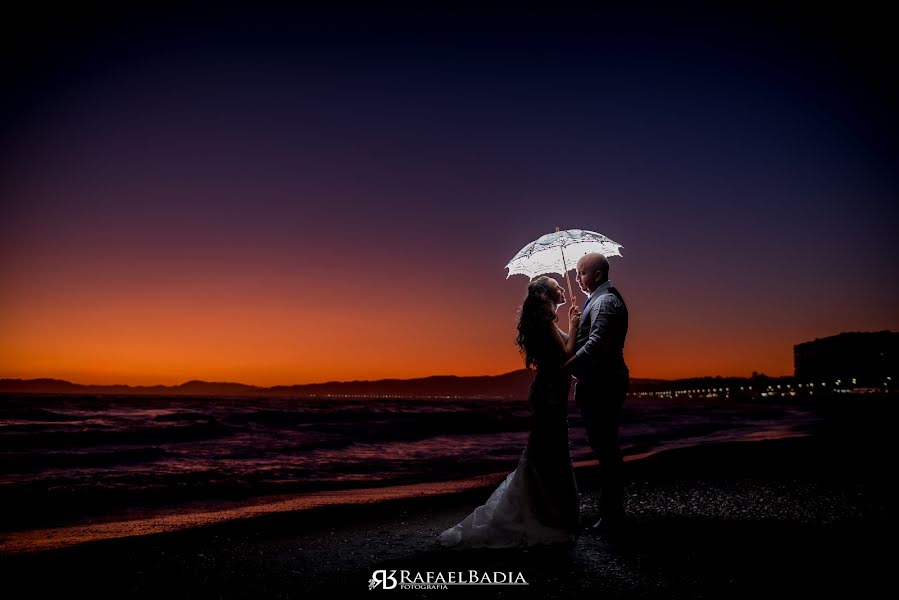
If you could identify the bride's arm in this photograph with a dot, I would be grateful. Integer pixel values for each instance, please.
(568, 340)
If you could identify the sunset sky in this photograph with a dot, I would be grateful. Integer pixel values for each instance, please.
(276, 196)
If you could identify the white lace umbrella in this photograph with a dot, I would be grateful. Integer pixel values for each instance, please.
(547, 254)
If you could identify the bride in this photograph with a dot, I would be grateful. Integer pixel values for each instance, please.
(538, 502)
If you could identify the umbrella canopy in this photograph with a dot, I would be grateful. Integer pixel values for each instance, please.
(553, 252)
(547, 254)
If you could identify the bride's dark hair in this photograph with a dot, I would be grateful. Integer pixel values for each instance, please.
(537, 311)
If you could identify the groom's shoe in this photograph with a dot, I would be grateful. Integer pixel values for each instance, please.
(606, 526)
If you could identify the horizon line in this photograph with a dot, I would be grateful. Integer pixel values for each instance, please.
(384, 379)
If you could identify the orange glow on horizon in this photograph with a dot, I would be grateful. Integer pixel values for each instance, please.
(168, 335)
(235, 324)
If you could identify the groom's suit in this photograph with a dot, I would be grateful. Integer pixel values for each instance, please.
(602, 382)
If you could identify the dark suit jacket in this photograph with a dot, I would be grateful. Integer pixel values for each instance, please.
(600, 337)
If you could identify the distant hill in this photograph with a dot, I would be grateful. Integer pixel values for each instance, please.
(512, 385)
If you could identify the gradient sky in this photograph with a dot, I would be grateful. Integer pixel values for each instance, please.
(279, 196)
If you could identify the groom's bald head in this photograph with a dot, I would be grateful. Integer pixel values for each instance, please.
(595, 261)
(592, 271)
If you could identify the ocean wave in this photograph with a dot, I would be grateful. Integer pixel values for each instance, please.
(23, 462)
(124, 436)
(32, 413)
(184, 416)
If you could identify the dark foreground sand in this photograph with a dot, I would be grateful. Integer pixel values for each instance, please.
(802, 517)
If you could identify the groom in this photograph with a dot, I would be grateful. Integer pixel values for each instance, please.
(602, 380)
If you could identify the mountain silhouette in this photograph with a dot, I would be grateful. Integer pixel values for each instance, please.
(511, 385)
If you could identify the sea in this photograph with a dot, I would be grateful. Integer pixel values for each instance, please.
(65, 457)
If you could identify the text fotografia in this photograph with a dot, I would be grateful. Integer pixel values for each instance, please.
(430, 580)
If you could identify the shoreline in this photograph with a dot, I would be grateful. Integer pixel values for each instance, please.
(144, 521)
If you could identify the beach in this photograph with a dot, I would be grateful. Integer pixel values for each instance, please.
(781, 517)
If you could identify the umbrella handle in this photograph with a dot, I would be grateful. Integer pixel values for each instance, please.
(567, 280)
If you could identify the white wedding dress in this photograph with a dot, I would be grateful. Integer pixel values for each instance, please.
(538, 502)
(506, 520)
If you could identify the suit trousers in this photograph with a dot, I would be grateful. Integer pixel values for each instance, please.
(600, 403)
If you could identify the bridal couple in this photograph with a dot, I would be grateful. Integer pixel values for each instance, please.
(538, 502)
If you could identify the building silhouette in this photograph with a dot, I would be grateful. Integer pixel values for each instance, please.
(860, 358)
